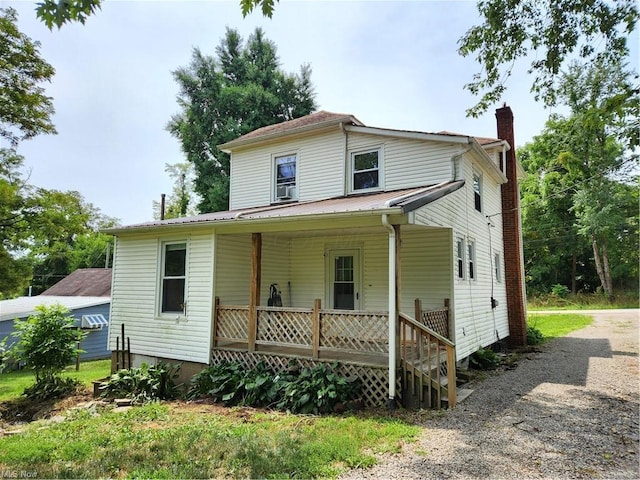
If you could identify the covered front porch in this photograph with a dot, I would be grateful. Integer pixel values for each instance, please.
(337, 289)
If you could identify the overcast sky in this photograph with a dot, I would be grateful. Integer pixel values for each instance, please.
(391, 64)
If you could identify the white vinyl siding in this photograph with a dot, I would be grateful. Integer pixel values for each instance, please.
(233, 269)
(136, 291)
(408, 163)
(320, 169)
(474, 319)
(425, 268)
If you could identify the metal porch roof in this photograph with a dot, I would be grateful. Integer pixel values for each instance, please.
(398, 201)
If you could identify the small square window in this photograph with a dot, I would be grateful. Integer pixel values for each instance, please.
(366, 170)
(174, 265)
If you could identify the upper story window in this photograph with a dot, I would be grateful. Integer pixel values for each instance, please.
(366, 168)
(174, 275)
(286, 177)
(460, 257)
(477, 191)
(497, 268)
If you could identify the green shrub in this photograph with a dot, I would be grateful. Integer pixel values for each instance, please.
(319, 390)
(51, 387)
(308, 390)
(220, 382)
(46, 342)
(534, 336)
(561, 291)
(144, 384)
(484, 359)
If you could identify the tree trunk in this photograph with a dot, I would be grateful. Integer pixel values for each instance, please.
(607, 270)
(600, 268)
(574, 261)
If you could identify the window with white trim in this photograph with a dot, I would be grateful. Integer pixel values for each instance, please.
(286, 175)
(477, 191)
(174, 276)
(497, 267)
(471, 259)
(460, 257)
(366, 168)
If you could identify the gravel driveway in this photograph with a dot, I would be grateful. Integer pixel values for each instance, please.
(568, 411)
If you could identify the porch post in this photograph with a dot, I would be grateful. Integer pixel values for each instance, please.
(393, 313)
(254, 294)
(317, 305)
(398, 292)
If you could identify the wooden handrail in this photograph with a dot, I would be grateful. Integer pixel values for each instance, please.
(426, 329)
(420, 330)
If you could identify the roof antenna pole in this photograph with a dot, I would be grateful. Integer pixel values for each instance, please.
(162, 201)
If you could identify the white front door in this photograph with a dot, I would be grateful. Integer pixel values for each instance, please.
(344, 279)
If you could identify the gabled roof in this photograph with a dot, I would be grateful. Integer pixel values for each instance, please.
(22, 307)
(397, 201)
(91, 282)
(299, 125)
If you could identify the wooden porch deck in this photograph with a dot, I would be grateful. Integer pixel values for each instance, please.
(358, 339)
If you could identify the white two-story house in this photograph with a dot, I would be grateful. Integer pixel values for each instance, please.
(383, 249)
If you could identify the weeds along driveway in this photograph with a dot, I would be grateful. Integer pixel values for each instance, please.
(570, 410)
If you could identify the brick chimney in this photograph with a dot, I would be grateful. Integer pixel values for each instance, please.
(512, 233)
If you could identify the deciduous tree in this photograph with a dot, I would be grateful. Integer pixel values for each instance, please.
(549, 35)
(221, 98)
(25, 110)
(579, 189)
(181, 201)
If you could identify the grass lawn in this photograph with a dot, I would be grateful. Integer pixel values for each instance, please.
(12, 384)
(201, 440)
(558, 324)
(182, 440)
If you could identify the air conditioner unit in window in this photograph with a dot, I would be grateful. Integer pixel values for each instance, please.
(284, 192)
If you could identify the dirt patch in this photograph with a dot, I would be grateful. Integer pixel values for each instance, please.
(24, 410)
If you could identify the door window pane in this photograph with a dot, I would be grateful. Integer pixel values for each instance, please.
(344, 269)
(343, 296)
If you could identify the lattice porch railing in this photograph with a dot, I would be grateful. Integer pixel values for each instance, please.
(285, 326)
(351, 330)
(436, 319)
(312, 332)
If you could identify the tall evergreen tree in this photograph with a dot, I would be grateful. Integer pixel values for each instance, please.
(243, 88)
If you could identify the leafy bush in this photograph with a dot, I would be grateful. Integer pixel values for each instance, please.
(51, 387)
(561, 291)
(484, 359)
(46, 344)
(46, 341)
(318, 390)
(221, 382)
(309, 390)
(534, 336)
(144, 384)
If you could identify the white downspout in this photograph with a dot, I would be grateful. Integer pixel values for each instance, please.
(392, 312)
